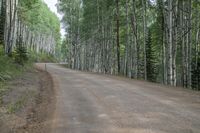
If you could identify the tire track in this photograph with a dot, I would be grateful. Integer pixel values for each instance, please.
(110, 110)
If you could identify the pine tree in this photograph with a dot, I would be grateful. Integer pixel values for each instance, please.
(196, 74)
(151, 59)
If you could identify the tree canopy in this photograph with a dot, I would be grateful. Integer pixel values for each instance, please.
(38, 17)
(155, 40)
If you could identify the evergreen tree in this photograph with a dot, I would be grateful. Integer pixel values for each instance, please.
(151, 59)
(196, 74)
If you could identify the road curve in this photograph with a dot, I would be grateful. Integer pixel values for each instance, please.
(93, 103)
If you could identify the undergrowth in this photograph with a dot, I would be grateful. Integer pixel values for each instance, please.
(10, 69)
(18, 62)
(13, 107)
(41, 57)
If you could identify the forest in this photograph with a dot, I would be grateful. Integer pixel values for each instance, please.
(119, 66)
(30, 24)
(153, 40)
(29, 32)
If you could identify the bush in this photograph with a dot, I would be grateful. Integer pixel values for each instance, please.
(196, 75)
(20, 54)
(42, 57)
(8, 66)
(1, 50)
(8, 69)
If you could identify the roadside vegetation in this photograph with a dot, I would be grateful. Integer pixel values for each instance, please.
(29, 33)
(42, 57)
(11, 67)
(16, 64)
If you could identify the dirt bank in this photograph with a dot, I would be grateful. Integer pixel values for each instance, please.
(29, 103)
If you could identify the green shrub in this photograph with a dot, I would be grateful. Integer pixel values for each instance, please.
(42, 57)
(1, 50)
(8, 68)
(21, 55)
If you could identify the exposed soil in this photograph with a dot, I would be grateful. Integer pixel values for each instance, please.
(96, 103)
(93, 103)
(28, 106)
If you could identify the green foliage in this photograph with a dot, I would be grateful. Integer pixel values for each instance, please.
(64, 49)
(196, 74)
(151, 59)
(3, 89)
(7, 70)
(13, 107)
(91, 38)
(1, 50)
(41, 57)
(10, 68)
(20, 55)
(38, 17)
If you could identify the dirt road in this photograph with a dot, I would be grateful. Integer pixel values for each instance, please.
(92, 103)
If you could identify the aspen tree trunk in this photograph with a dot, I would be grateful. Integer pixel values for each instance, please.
(164, 42)
(117, 36)
(106, 35)
(175, 40)
(112, 52)
(189, 44)
(6, 25)
(126, 60)
(13, 27)
(98, 29)
(71, 41)
(77, 41)
(9, 31)
(1, 3)
(102, 43)
(197, 22)
(183, 46)
(144, 35)
(135, 33)
(170, 44)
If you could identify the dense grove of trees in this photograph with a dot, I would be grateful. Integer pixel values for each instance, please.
(155, 40)
(29, 23)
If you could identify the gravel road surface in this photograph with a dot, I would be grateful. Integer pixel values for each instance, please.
(96, 103)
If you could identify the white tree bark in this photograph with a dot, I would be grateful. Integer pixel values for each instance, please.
(170, 44)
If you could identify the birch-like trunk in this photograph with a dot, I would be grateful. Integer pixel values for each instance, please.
(144, 39)
(126, 60)
(170, 42)
(189, 44)
(135, 35)
(117, 36)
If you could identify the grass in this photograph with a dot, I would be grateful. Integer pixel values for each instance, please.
(9, 70)
(2, 88)
(41, 57)
(13, 107)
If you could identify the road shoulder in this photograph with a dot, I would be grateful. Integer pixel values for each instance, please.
(29, 103)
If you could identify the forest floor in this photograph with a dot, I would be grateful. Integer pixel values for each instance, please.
(28, 103)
